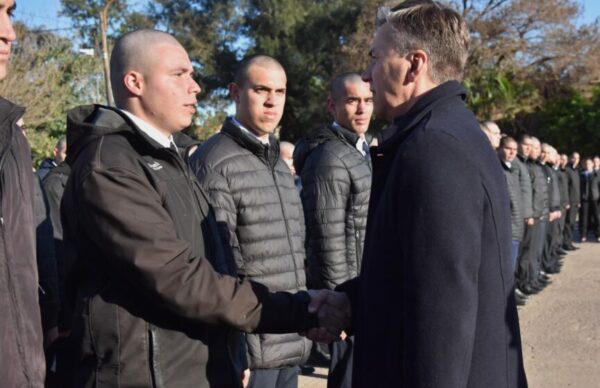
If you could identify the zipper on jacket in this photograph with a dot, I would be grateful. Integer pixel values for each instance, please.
(287, 227)
(152, 356)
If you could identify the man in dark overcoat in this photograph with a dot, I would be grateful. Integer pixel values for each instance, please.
(434, 304)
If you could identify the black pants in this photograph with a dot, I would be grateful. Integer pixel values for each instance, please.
(588, 210)
(274, 378)
(550, 257)
(527, 250)
(570, 222)
(340, 370)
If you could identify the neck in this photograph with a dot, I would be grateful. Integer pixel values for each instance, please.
(142, 115)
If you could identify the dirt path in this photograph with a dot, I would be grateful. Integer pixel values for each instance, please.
(560, 328)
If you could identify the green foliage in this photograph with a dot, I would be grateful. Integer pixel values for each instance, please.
(495, 95)
(572, 122)
(48, 78)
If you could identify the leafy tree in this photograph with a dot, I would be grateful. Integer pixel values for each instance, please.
(48, 78)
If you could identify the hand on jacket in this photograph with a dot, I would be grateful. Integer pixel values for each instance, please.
(334, 312)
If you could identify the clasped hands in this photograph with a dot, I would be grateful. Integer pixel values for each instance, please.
(334, 312)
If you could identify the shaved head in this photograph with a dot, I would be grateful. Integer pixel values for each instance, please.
(133, 51)
(337, 90)
(264, 61)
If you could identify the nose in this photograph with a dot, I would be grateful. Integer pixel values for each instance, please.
(7, 33)
(195, 89)
(360, 107)
(270, 101)
(366, 75)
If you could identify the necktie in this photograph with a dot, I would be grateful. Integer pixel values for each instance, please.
(174, 148)
(366, 150)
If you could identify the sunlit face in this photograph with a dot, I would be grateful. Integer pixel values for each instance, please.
(525, 147)
(353, 110)
(387, 75)
(168, 95)
(575, 158)
(7, 34)
(589, 165)
(536, 150)
(563, 160)
(596, 163)
(508, 152)
(260, 101)
(60, 154)
(286, 154)
(493, 133)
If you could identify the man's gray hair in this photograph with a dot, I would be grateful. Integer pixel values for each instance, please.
(434, 28)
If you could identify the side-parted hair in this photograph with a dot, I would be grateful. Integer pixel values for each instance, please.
(434, 28)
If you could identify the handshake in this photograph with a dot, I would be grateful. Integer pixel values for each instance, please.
(334, 313)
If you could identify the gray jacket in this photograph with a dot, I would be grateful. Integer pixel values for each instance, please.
(336, 181)
(259, 212)
(517, 221)
(539, 184)
(525, 185)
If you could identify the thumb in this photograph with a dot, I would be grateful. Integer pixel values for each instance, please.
(317, 299)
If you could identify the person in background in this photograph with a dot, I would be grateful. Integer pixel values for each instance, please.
(507, 152)
(334, 164)
(492, 131)
(258, 208)
(590, 194)
(59, 155)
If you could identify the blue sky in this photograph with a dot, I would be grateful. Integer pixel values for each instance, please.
(44, 12)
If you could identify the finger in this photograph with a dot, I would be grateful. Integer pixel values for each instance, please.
(318, 298)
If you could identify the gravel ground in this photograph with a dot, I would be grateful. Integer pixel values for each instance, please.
(560, 328)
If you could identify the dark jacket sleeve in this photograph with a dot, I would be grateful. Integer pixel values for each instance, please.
(46, 259)
(124, 215)
(222, 201)
(444, 203)
(325, 193)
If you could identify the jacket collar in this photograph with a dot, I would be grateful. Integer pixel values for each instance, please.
(9, 114)
(89, 122)
(344, 134)
(424, 105)
(268, 153)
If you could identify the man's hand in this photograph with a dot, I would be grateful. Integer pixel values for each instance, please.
(245, 378)
(530, 221)
(334, 312)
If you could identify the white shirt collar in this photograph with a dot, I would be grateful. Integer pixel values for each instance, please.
(240, 126)
(359, 142)
(149, 130)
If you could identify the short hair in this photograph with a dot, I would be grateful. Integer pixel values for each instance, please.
(524, 137)
(487, 127)
(131, 52)
(286, 144)
(536, 141)
(241, 73)
(61, 143)
(337, 87)
(507, 139)
(434, 28)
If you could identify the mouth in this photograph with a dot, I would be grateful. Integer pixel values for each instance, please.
(191, 107)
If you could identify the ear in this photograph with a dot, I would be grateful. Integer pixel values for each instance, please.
(234, 91)
(419, 64)
(134, 83)
(331, 106)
